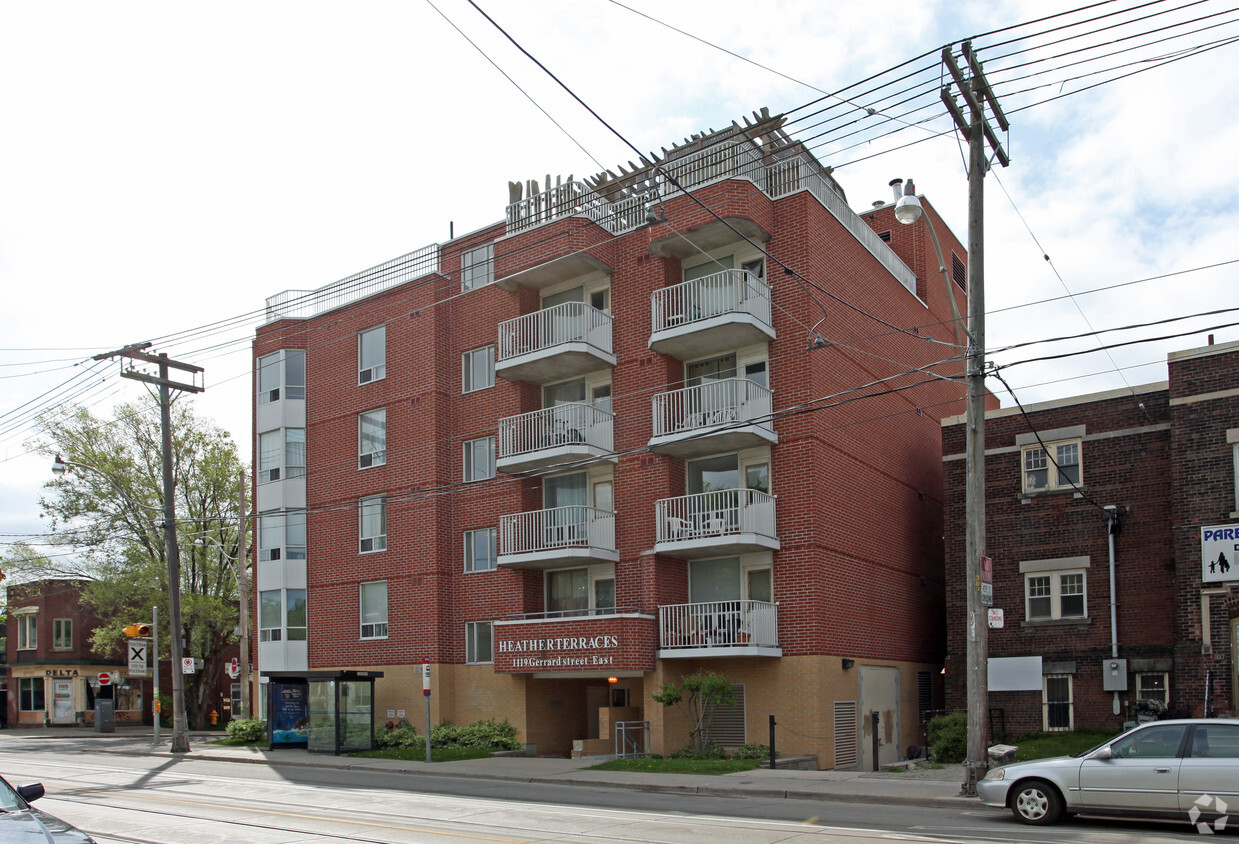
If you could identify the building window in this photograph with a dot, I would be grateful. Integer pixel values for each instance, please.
(30, 694)
(481, 549)
(27, 632)
(281, 535)
(478, 642)
(372, 438)
(373, 525)
(62, 634)
(294, 614)
(281, 454)
(270, 610)
(1055, 595)
(1056, 706)
(374, 609)
(477, 369)
(477, 267)
(479, 459)
(1153, 686)
(372, 355)
(281, 375)
(1044, 472)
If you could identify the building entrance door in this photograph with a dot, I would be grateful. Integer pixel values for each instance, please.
(62, 702)
(879, 692)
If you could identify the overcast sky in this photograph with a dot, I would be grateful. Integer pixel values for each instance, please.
(164, 167)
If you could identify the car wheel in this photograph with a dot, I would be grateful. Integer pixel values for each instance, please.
(1036, 802)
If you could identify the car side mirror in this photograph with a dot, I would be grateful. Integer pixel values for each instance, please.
(1102, 753)
(31, 791)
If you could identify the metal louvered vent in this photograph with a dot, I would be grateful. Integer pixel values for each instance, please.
(727, 725)
(847, 753)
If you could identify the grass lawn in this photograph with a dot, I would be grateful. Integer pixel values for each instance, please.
(1041, 745)
(232, 742)
(679, 766)
(437, 754)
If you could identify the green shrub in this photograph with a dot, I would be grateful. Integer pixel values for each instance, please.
(399, 734)
(484, 734)
(247, 729)
(948, 737)
(710, 751)
(752, 751)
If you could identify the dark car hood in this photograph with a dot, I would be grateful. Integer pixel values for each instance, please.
(34, 827)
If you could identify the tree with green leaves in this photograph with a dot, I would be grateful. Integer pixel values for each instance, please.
(697, 696)
(108, 521)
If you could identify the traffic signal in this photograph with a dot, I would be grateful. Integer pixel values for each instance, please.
(134, 630)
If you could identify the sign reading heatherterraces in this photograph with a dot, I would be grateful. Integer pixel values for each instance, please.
(544, 648)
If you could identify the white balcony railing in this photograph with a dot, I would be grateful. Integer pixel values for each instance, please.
(574, 526)
(718, 294)
(790, 170)
(733, 400)
(563, 426)
(720, 513)
(570, 322)
(719, 624)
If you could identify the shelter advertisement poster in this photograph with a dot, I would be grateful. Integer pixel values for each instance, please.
(290, 721)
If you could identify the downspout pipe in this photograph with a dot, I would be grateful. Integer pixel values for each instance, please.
(1113, 527)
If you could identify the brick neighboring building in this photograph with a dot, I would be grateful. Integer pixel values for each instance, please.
(1168, 454)
(53, 674)
(594, 448)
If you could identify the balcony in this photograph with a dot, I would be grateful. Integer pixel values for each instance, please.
(725, 415)
(545, 539)
(718, 523)
(563, 341)
(709, 315)
(567, 433)
(718, 628)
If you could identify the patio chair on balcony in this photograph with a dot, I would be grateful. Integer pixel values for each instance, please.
(678, 528)
(715, 524)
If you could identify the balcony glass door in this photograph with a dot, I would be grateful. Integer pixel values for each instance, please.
(714, 287)
(564, 326)
(564, 499)
(713, 481)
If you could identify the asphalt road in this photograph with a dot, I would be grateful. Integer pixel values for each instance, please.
(122, 798)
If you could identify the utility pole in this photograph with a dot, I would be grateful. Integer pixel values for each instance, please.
(977, 93)
(244, 588)
(180, 729)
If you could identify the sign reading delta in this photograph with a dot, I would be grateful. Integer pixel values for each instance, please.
(1219, 548)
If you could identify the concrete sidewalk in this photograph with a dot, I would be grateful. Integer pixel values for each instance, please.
(922, 787)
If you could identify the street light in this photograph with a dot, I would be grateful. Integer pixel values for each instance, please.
(908, 210)
(180, 728)
(241, 574)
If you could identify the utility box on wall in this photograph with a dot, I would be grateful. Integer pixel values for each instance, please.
(1114, 675)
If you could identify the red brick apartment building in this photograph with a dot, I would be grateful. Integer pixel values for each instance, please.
(53, 673)
(611, 441)
(1167, 457)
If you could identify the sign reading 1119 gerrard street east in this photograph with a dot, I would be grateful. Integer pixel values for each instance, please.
(1219, 546)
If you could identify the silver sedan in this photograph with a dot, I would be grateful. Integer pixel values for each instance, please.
(1186, 769)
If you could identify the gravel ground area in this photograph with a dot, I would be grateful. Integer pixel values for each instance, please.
(929, 771)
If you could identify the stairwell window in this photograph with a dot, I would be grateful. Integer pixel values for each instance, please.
(479, 459)
(281, 454)
(479, 642)
(374, 609)
(1052, 468)
(281, 375)
(270, 609)
(372, 438)
(281, 535)
(372, 355)
(477, 267)
(477, 369)
(373, 524)
(481, 550)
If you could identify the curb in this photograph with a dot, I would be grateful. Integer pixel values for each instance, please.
(653, 786)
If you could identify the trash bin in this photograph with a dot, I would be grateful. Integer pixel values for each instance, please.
(105, 715)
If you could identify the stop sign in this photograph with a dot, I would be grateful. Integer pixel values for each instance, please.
(105, 679)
